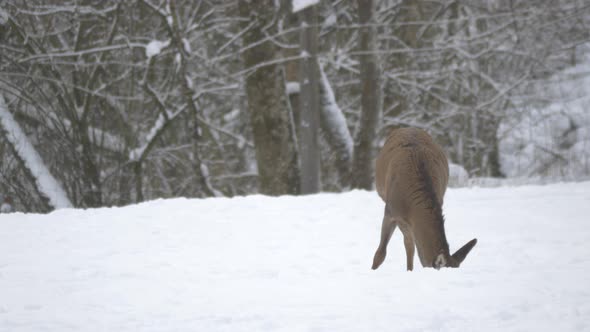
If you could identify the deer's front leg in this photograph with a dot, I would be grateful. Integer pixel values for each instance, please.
(410, 247)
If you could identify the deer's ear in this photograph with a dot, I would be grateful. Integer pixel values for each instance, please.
(460, 254)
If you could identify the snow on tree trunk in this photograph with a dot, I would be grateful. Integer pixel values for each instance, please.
(47, 186)
(335, 130)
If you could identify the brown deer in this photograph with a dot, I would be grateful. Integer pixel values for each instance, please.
(411, 175)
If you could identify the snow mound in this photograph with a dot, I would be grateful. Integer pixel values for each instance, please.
(458, 176)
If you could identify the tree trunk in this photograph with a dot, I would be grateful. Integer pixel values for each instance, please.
(310, 99)
(201, 170)
(335, 131)
(362, 164)
(275, 146)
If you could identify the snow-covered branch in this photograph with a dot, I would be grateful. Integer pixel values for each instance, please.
(46, 184)
(93, 50)
(78, 9)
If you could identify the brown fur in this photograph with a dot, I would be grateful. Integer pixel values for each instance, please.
(411, 176)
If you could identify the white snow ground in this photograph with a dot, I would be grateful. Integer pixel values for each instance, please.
(298, 264)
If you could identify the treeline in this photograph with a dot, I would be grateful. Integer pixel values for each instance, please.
(125, 101)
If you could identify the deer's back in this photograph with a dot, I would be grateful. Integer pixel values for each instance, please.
(409, 158)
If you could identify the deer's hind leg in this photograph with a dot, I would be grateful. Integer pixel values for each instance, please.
(387, 228)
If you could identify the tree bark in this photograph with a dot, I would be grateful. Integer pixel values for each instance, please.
(362, 164)
(273, 131)
(309, 101)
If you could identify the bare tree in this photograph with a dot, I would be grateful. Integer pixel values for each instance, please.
(362, 163)
(276, 153)
(309, 150)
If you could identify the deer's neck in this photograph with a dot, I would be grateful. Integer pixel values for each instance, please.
(429, 234)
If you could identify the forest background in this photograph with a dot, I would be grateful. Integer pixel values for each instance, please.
(115, 102)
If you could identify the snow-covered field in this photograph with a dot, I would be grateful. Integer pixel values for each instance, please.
(298, 264)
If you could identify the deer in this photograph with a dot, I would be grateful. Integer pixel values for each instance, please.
(411, 175)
